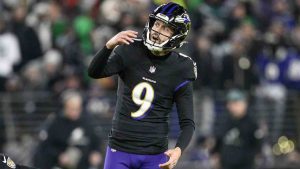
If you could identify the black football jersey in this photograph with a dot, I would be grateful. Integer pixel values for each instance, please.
(146, 88)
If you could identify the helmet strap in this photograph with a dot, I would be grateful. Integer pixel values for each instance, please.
(160, 53)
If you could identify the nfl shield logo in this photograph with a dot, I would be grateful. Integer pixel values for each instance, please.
(152, 69)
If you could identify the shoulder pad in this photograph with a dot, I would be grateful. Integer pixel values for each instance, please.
(190, 67)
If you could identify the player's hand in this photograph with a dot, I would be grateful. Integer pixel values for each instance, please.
(174, 155)
(124, 37)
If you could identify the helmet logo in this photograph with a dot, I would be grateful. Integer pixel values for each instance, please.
(182, 19)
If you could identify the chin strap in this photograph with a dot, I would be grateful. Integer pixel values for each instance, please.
(161, 53)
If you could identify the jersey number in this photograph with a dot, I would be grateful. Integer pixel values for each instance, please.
(143, 100)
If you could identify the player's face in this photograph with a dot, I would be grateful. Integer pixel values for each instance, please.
(160, 32)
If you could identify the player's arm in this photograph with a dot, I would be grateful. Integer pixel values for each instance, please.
(102, 65)
(184, 104)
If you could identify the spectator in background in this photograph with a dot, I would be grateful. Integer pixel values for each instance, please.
(237, 134)
(83, 26)
(206, 68)
(205, 63)
(292, 72)
(237, 69)
(33, 77)
(69, 139)
(213, 14)
(52, 65)
(39, 19)
(296, 9)
(27, 37)
(239, 14)
(9, 53)
(68, 78)
(292, 75)
(201, 152)
(282, 12)
(271, 91)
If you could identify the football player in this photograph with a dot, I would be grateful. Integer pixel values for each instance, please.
(151, 78)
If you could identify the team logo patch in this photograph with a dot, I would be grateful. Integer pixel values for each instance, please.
(10, 163)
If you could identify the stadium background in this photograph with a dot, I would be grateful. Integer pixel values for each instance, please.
(253, 45)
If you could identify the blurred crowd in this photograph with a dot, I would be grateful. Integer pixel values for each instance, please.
(252, 45)
(244, 44)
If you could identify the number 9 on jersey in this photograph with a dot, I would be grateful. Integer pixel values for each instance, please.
(145, 102)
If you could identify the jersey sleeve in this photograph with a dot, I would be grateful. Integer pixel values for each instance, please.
(126, 53)
(104, 64)
(191, 70)
(188, 68)
(184, 104)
